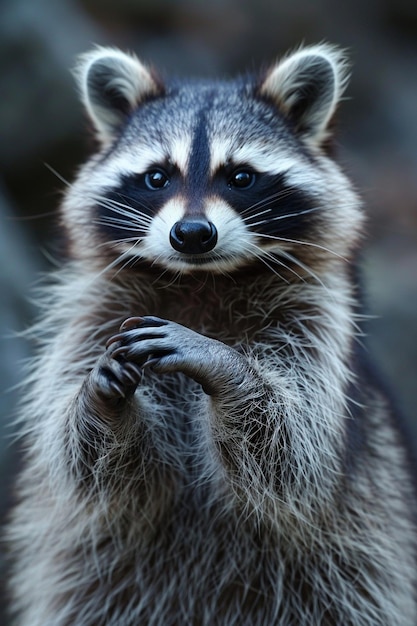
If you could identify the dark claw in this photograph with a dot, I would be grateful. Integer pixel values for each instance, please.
(142, 322)
(120, 352)
(131, 323)
(117, 389)
(150, 362)
(133, 369)
(156, 356)
(130, 376)
(113, 339)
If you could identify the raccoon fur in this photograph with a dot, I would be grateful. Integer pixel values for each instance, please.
(204, 444)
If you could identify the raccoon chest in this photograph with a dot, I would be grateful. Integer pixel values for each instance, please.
(180, 414)
(223, 311)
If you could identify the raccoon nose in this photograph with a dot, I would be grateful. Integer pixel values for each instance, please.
(193, 236)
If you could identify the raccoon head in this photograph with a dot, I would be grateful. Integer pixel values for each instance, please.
(212, 175)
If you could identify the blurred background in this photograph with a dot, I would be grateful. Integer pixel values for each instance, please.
(42, 123)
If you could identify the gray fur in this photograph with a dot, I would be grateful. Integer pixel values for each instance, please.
(202, 446)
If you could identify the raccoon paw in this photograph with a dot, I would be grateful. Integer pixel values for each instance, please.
(169, 347)
(115, 377)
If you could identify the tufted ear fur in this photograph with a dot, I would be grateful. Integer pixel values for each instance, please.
(307, 86)
(112, 84)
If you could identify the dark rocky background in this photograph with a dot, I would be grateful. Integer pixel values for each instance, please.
(41, 122)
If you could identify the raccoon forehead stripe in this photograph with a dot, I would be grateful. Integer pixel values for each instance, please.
(198, 167)
(258, 155)
(199, 164)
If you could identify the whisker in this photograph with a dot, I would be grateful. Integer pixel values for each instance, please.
(259, 254)
(251, 217)
(129, 259)
(120, 209)
(120, 223)
(303, 243)
(283, 217)
(304, 267)
(111, 243)
(276, 259)
(270, 199)
(128, 205)
(176, 277)
(58, 175)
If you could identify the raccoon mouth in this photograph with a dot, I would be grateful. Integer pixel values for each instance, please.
(204, 261)
(200, 259)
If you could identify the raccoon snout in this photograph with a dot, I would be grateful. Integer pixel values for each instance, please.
(193, 236)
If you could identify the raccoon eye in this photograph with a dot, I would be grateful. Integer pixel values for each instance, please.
(156, 179)
(241, 179)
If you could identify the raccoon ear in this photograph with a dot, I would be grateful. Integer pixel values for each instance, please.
(307, 87)
(112, 84)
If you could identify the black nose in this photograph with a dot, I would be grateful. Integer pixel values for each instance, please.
(193, 236)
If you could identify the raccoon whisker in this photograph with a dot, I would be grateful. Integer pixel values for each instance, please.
(298, 242)
(280, 217)
(251, 217)
(122, 240)
(260, 255)
(296, 261)
(122, 209)
(58, 175)
(164, 271)
(121, 224)
(270, 199)
(116, 223)
(132, 225)
(287, 267)
(131, 240)
(221, 270)
(128, 205)
(218, 260)
(293, 259)
(127, 257)
(245, 217)
(129, 215)
(128, 211)
(304, 267)
(177, 277)
(274, 259)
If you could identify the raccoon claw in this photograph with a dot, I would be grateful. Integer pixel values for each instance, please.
(115, 378)
(132, 323)
(131, 373)
(117, 389)
(108, 386)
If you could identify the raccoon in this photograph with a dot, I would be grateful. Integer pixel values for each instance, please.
(204, 441)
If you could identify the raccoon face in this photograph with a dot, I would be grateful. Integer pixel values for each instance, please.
(212, 176)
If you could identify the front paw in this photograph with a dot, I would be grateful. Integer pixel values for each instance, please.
(154, 342)
(169, 347)
(115, 378)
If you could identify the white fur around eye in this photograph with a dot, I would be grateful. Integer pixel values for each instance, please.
(260, 155)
